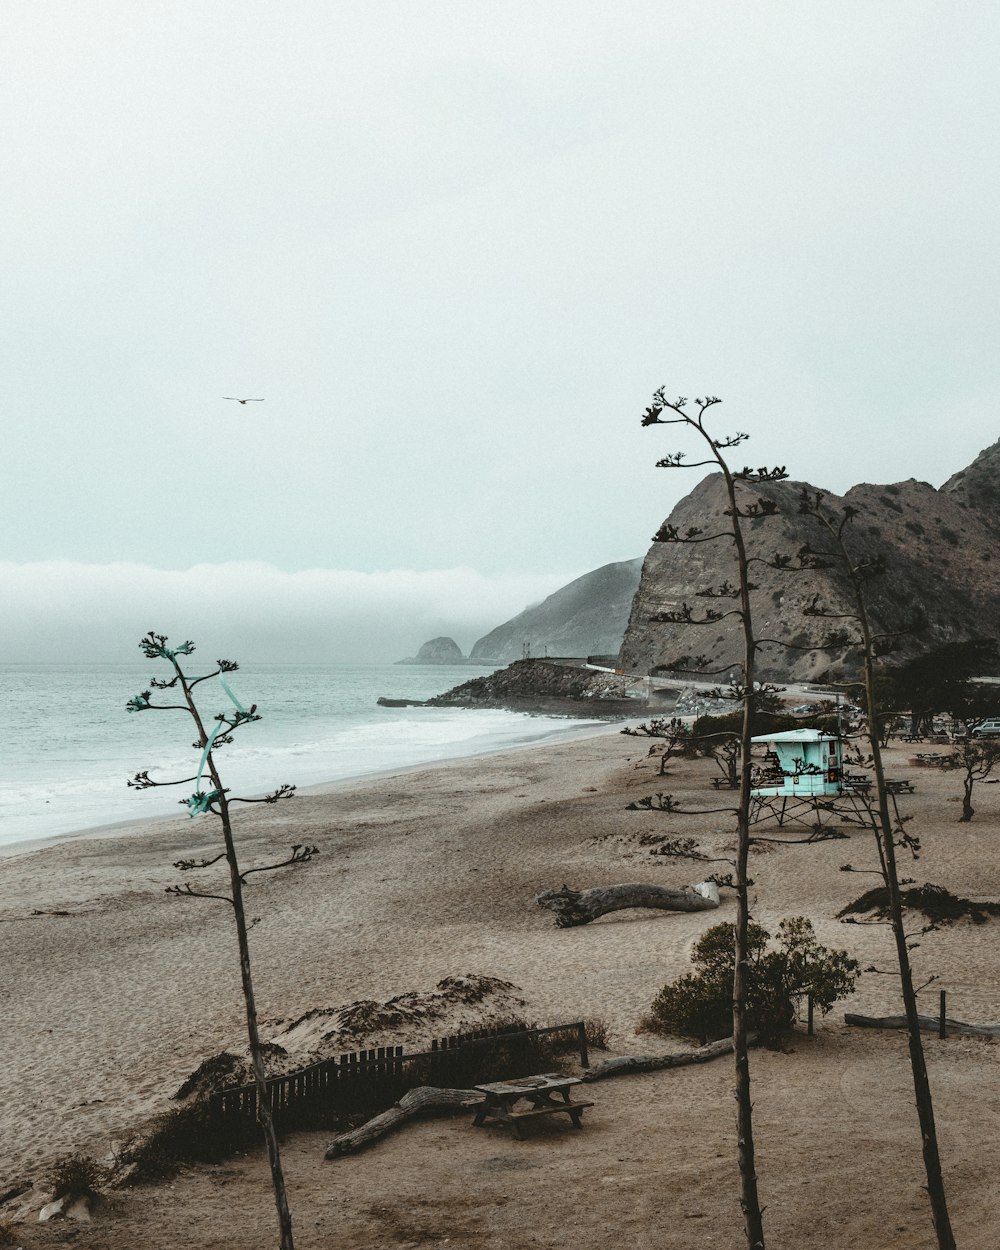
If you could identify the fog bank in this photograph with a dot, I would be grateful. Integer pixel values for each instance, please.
(248, 610)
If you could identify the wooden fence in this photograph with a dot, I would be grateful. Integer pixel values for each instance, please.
(368, 1081)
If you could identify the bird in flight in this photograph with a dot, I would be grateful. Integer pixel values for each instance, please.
(244, 401)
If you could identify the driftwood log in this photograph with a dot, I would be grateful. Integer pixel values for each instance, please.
(415, 1102)
(928, 1024)
(429, 1098)
(573, 907)
(626, 1065)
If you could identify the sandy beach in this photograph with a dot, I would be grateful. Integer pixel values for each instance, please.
(115, 991)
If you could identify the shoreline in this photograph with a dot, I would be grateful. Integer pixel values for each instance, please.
(119, 828)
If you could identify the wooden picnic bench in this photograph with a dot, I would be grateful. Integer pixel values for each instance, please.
(899, 787)
(547, 1094)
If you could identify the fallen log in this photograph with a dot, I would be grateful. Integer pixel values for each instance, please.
(415, 1102)
(573, 907)
(626, 1065)
(928, 1024)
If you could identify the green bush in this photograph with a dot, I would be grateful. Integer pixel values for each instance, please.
(699, 1005)
(732, 723)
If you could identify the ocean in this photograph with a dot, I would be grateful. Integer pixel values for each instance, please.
(68, 745)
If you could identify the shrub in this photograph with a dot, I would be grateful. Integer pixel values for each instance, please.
(77, 1174)
(699, 1005)
(195, 1133)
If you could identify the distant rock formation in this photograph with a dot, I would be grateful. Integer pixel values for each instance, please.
(940, 547)
(437, 651)
(586, 617)
(538, 686)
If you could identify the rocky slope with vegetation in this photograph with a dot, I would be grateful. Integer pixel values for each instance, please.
(942, 574)
(586, 617)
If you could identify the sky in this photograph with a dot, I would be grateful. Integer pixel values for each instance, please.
(455, 247)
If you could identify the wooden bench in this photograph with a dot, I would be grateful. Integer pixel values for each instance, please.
(723, 783)
(548, 1094)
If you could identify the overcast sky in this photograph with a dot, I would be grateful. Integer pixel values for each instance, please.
(455, 246)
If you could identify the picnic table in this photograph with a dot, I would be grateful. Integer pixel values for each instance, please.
(898, 787)
(547, 1094)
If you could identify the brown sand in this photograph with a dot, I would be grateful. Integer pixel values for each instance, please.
(432, 873)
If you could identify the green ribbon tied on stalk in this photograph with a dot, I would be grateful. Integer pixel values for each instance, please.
(199, 801)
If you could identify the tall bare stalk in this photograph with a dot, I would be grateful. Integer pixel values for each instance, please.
(665, 412)
(217, 802)
(858, 572)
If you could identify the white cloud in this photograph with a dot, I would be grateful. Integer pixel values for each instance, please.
(250, 610)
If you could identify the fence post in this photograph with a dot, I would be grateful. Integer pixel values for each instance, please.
(584, 1056)
(943, 1023)
(809, 1015)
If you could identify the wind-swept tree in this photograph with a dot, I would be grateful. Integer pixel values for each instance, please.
(974, 760)
(735, 596)
(210, 796)
(858, 569)
(941, 680)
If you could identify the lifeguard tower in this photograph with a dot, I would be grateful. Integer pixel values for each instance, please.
(803, 767)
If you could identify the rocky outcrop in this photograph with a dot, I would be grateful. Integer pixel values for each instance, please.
(586, 617)
(437, 651)
(939, 545)
(977, 488)
(539, 686)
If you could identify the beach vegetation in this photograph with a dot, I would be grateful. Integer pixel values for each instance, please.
(78, 1175)
(596, 1031)
(194, 1133)
(779, 976)
(936, 902)
(973, 759)
(211, 797)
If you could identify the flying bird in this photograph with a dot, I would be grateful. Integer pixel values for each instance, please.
(244, 401)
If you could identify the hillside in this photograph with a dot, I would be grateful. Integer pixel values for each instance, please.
(940, 547)
(587, 617)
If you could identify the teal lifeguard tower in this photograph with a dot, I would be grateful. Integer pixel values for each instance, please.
(802, 762)
(802, 768)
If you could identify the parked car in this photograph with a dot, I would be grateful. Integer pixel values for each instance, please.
(988, 728)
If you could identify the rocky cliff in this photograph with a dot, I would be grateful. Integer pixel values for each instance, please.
(587, 617)
(940, 547)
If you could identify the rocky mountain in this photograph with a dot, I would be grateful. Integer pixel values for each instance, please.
(940, 547)
(587, 617)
